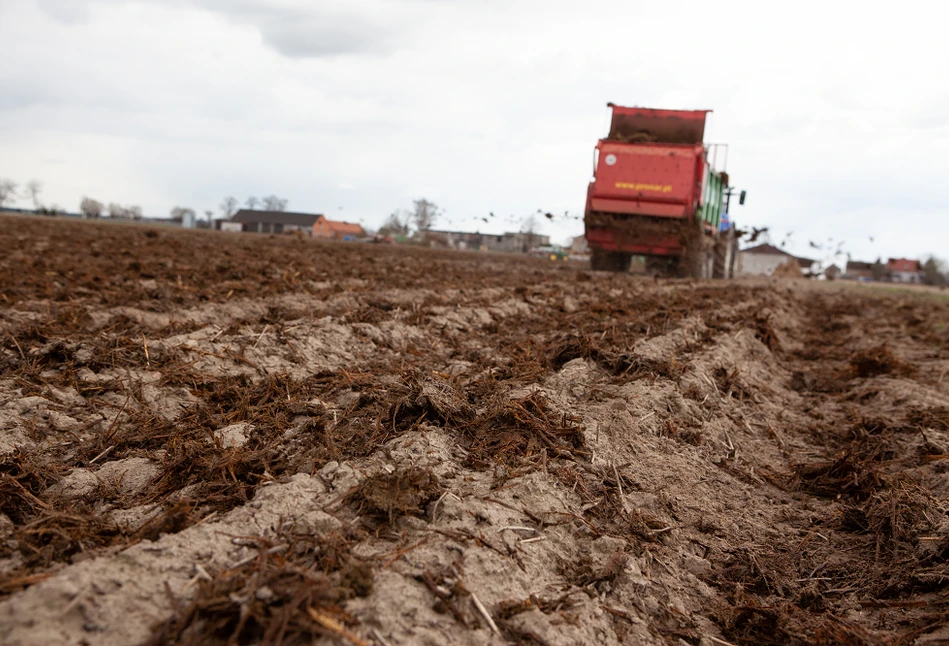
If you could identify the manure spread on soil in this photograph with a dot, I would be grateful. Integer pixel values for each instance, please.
(243, 439)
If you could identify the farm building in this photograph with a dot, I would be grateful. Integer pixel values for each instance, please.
(510, 242)
(809, 266)
(311, 224)
(522, 242)
(859, 270)
(763, 259)
(335, 230)
(461, 239)
(275, 221)
(903, 270)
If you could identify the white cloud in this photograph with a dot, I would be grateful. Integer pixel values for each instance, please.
(65, 11)
(835, 118)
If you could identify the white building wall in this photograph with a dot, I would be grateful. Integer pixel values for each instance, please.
(761, 264)
(904, 276)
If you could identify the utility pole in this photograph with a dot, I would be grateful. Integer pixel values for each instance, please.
(728, 199)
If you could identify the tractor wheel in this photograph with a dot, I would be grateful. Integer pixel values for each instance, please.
(720, 252)
(726, 249)
(698, 260)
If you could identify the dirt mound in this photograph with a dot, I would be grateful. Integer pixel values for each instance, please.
(877, 361)
(391, 495)
(790, 269)
(262, 439)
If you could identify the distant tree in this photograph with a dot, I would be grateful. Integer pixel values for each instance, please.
(33, 189)
(134, 212)
(529, 228)
(424, 214)
(228, 207)
(274, 203)
(90, 208)
(52, 209)
(934, 272)
(7, 191)
(879, 271)
(209, 214)
(251, 202)
(179, 213)
(397, 224)
(116, 210)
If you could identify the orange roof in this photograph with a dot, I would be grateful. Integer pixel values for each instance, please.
(344, 228)
(903, 264)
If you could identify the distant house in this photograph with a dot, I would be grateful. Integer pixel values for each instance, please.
(579, 246)
(858, 270)
(903, 270)
(510, 242)
(809, 266)
(275, 221)
(335, 230)
(523, 242)
(462, 239)
(832, 273)
(764, 259)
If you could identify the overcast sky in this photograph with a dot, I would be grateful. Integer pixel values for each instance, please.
(837, 113)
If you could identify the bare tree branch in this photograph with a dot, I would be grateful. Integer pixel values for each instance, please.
(529, 229)
(424, 215)
(33, 189)
(8, 190)
(228, 207)
(91, 208)
(934, 272)
(274, 203)
(397, 224)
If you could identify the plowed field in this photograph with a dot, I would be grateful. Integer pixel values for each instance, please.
(213, 438)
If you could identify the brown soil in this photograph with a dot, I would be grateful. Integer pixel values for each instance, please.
(215, 438)
(790, 269)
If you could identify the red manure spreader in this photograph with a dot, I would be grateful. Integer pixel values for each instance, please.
(660, 192)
